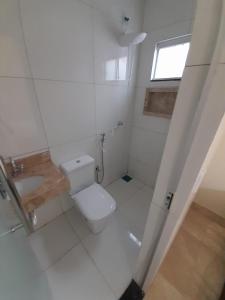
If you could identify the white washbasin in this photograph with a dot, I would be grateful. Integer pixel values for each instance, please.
(29, 184)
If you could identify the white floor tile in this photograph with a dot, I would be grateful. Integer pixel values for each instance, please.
(135, 211)
(114, 252)
(18, 265)
(34, 288)
(122, 191)
(79, 226)
(101, 266)
(134, 231)
(76, 277)
(52, 241)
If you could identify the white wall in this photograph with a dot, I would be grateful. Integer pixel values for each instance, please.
(55, 89)
(211, 193)
(163, 19)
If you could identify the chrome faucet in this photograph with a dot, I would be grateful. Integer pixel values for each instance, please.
(17, 169)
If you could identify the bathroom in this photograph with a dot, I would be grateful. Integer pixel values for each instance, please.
(71, 91)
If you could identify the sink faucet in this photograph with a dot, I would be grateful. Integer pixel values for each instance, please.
(16, 168)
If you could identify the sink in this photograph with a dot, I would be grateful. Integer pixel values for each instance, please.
(27, 185)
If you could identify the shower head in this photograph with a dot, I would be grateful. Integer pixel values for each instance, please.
(128, 39)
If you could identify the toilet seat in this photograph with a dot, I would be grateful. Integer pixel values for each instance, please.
(94, 202)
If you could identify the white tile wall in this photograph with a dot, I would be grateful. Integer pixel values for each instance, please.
(146, 172)
(62, 49)
(162, 20)
(111, 62)
(13, 60)
(204, 32)
(147, 145)
(21, 129)
(116, 154)
(68, 151)
(68, 110)
(161, 13)
(112, 105)
(59, 39)
(115, 9)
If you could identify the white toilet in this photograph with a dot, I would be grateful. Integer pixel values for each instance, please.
(94, 203)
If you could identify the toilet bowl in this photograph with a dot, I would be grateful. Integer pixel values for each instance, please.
(95, 204)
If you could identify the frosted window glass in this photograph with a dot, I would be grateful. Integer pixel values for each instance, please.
(170, 61)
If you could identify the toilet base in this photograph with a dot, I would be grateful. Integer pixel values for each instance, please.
(97, 226)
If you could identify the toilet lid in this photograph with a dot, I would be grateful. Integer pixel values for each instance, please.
(95, 202)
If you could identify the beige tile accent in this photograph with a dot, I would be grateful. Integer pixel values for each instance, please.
(54, 184)
(160, 102)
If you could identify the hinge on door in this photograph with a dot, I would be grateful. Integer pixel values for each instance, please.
(168, 200)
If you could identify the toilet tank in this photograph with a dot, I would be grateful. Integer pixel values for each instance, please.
(80, 171)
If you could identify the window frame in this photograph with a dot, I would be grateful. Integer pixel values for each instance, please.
(163, 44)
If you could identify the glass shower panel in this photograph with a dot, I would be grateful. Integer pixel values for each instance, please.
(21, 277)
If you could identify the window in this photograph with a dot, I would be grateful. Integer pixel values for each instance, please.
(169, 59)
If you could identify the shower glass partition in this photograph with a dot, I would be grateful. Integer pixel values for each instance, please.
(9, 193)
(21, 277)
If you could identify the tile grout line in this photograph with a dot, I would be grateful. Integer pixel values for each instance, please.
(197, 65)
(86, 251)
(68, 250)
(44, 270)
(61, 257)
(69, 223)
(147, 130)
(72, 141)
(94, 84)
(31, 73)
(99, 271)
(108, 84)
(131, 221)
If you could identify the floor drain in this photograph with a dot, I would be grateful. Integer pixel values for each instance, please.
(127, 178)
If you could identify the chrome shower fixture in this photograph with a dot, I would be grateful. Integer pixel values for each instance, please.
(127, 39)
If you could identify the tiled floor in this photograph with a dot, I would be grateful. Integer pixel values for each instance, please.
(76, 264)
(194, 268)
